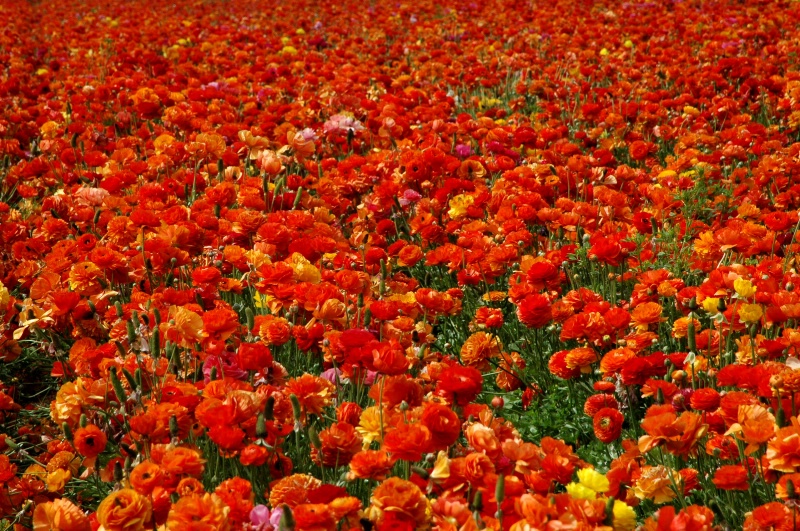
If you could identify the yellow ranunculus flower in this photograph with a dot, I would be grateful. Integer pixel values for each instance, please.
(750, 313)
(459, 205)
(594, 480)
(581, 492)
(744, 288)
(711, 304)
(624, 516)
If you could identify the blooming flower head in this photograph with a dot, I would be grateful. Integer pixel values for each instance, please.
(342, 123)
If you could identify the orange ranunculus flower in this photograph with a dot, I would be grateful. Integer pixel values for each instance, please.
(199, 512)
(60, 469)
(607, 424)
(237, 494)
(654, 483)
(84, 278)
(371, 464)
(145, 477)
(646, 314)
(773, 515)
(187, 328)
(409, 256)
(403, 499)
(389, 357)
(190, 487)
(581, 358)
(408, 441)
(595, 403)
(314, 516)
(705, 399)
(343, 506)
(220, 324)
(614, 360)
(392, 390)
(443, 423)
(479, 348)
(478, 465)
(755, 427)
(783, 451)
(313, 393)
(292, 490)
(90, 441)
(125, 510)
(183, 461)
(680, 328)
(679, 434)
(483, 439)
(60, 515)
(340, 442)
(731, 477)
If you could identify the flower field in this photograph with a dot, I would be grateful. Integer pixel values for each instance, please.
(399, 265)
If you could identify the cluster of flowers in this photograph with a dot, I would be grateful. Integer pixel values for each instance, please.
(309, 268)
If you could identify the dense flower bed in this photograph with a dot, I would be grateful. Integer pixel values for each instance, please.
(399, 265)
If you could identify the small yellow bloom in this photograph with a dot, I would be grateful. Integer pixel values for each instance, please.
(581, 492)
(711, 304)
(592, 479)
(628, 44)
(744, 288)
(604, 52)
(459, 205)
(750, 313)
(5, 296)
(624, 516)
